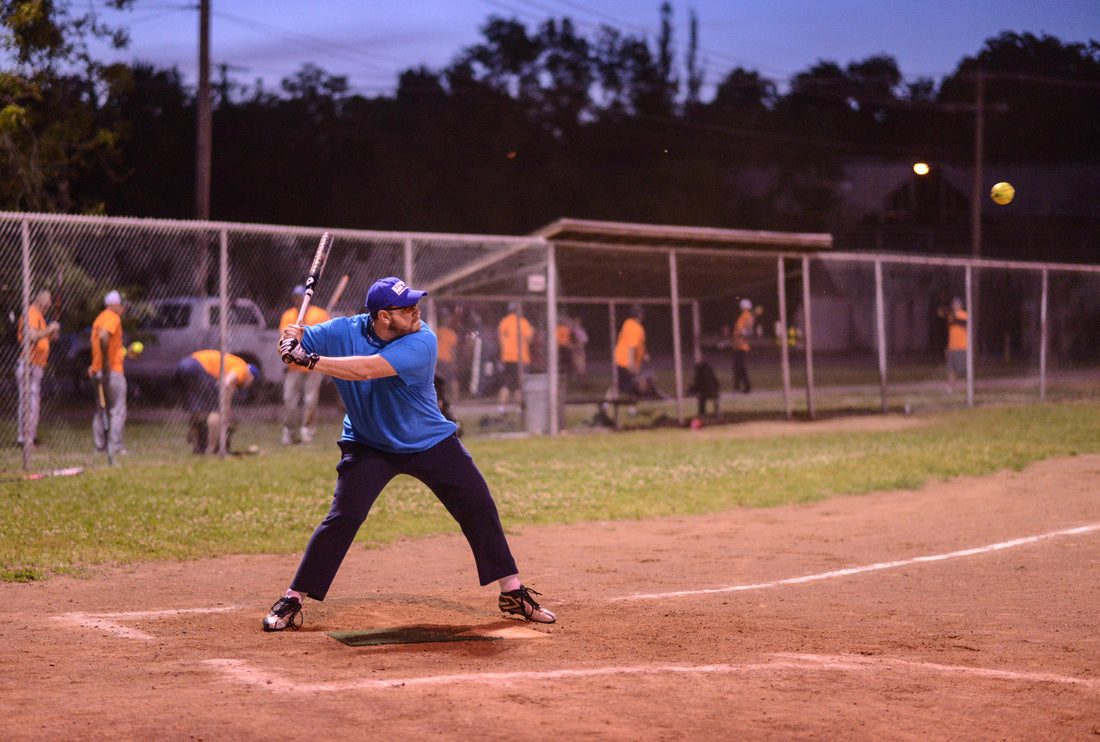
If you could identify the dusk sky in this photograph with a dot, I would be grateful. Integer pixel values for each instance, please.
(372, 42)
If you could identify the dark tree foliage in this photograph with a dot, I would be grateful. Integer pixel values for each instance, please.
(1044, 94)
(533, 124)
(54, 129)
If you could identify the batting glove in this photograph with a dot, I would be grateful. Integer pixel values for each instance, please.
(292, 352)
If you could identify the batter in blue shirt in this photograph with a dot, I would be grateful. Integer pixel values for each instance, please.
(383, 363)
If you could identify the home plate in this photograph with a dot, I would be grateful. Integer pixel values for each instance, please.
(512, 632)
(423, 634)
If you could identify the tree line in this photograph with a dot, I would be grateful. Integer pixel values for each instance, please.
(524, 127)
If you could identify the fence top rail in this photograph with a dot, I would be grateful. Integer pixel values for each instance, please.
(960, 262)
(546, 236)
(181, 225)
(842, 257)
(608, 234)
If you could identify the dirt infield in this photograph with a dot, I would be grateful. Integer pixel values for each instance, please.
(966, 610)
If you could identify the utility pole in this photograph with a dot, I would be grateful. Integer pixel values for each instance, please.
(204, 121)
(977, 192)
(979, 149)
(202, 150)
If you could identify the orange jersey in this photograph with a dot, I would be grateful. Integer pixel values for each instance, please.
(446, 339)
(742, 331)
(40, 351)
(116, 354)
(314, 316)
(210, 360)
(565, 336)
(631, 336)
(956, 330)
(512, 335)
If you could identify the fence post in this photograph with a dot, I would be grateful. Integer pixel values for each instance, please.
(880, 329)
(25, 348)
(1043, 336)
(614, 332)
(781, 337)
(971, 334)
(552, 349)
(677, 349)
(807, 335)
(224, 397)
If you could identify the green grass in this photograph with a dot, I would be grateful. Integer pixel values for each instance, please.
(270, 503)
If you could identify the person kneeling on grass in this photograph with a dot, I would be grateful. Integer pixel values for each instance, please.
(383, 362)
(197, 375)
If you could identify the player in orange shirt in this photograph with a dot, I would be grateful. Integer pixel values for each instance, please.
(514, 333)
(630, 350)
(957, 341)
(445, 368)
(107, 344)
(742, 331)
(301, 386)
(39, 334)
(198, 375)
(564, 333)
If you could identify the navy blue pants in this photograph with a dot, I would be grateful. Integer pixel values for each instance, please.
(199, 387)
(448, 471)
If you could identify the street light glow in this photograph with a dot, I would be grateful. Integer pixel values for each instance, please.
(921, 168)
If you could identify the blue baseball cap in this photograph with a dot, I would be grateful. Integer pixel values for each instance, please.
(255, 371)
(391, 292)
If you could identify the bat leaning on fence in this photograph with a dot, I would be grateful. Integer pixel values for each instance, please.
(339, 292)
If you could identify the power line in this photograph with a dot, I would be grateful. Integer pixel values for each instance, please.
(312, 43)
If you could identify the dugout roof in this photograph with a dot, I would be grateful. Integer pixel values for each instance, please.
(597, 259)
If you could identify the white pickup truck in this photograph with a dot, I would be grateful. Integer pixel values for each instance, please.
(174, 328)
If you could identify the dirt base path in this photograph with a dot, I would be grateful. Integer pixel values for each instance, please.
(966, 610)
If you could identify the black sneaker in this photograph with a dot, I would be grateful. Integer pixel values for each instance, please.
(285, 614)
(520, 603)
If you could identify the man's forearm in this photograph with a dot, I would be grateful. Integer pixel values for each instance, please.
(355, 368)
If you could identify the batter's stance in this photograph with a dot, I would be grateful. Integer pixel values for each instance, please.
(383, 363)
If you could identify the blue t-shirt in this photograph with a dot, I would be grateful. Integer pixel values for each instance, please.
(399, 413)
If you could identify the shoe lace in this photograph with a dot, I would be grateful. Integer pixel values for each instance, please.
(522, 595)
(289, 607)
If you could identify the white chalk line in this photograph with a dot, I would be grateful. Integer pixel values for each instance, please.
(241, 672)
(841, 662)
(868, 568)
(110, 623)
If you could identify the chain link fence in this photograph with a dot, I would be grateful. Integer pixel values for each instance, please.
(186, 287)
(831, 332)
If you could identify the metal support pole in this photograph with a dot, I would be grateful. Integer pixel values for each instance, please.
(614, 331)
(807, 335)
(552, 349)
(25, 377)
(1043, 336)
(521, 369)
(677, 347)
(880, 330)
(410, 274)
(971, 326)
(696, 331)
(781, 338)
(224, 397)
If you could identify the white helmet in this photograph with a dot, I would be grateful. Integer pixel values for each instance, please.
(746, 304)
